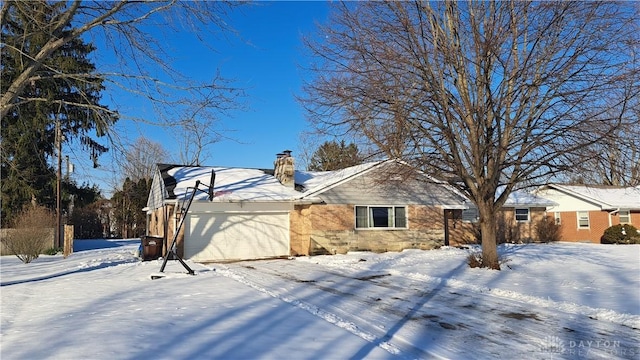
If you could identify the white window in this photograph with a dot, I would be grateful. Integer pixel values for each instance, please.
(522, 215)
(625, 217)
(556, 217)
(384, 217)
(583, 219)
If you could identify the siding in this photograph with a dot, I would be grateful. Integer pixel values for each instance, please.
(156, 193)
(380, 188)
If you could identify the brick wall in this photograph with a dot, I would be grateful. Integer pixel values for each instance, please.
(598, 223)
(300, 230)
(331, 230)
(462, 233)
(635, 219)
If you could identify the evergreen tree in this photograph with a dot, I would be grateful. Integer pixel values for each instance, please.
(28, 129)
(332, 155)
(85, 212)
(129, 219)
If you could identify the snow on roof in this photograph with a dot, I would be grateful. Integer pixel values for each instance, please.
(241, 184)
(523, 198)
(231, 184)
(314, 181)
(608, 197)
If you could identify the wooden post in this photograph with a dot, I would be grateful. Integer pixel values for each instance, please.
(447, 213)
(68, 240)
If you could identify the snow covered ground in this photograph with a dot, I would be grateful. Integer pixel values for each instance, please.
(557, 301)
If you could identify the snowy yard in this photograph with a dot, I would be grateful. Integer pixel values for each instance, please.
(573, 301)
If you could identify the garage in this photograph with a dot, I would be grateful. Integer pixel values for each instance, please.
(236, 236)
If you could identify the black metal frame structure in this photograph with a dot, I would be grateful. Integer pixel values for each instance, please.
(172, 250)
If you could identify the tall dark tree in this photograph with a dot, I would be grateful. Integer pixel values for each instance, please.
(127, 204)
(491, 96)
(333, 155)
(83, 208)
(29, 126)
(133, 33)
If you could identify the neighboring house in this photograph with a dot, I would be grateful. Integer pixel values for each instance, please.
(585, 211)
(378, 206)
(520, 214)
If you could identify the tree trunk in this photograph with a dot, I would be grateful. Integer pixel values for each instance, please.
(488, 232)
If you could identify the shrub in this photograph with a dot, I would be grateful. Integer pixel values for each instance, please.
(505, 232)
(474, 260)
(547, 230)
(621, 234)
(53, 251)
(31, 234)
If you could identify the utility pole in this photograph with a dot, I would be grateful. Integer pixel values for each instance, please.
(58, 183)
(71, 196)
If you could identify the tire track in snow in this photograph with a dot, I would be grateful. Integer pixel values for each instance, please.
(396, 308)
(629, 320)
(312, 309)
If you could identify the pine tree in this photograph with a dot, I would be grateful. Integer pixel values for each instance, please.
(332, 155)
(129, 219)
(28, 130)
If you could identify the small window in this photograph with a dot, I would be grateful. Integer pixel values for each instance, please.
(625, 217)
(522, 215)
(385, 217)
(583, 219)
(556, 217)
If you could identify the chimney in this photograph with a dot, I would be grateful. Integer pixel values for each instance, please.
(284, 169)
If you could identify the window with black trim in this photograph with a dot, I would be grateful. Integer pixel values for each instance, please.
(381, 217)
(522, 215)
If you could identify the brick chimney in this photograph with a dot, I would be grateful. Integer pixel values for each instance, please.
(284, 169)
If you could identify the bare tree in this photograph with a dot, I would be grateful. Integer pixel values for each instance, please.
(133, 32)
(490, 96)
(141, 159)
(616, 160)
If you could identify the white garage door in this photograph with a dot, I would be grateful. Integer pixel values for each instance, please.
(236, 236)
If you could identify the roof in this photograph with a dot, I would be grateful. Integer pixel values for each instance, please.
(259, 185)
(524, 198)
(607, 197)
(313, 182)
(231, 184)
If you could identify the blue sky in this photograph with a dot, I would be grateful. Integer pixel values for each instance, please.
(264, 60)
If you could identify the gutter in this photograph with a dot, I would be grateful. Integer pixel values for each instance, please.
(308, 201)
(613, 213)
